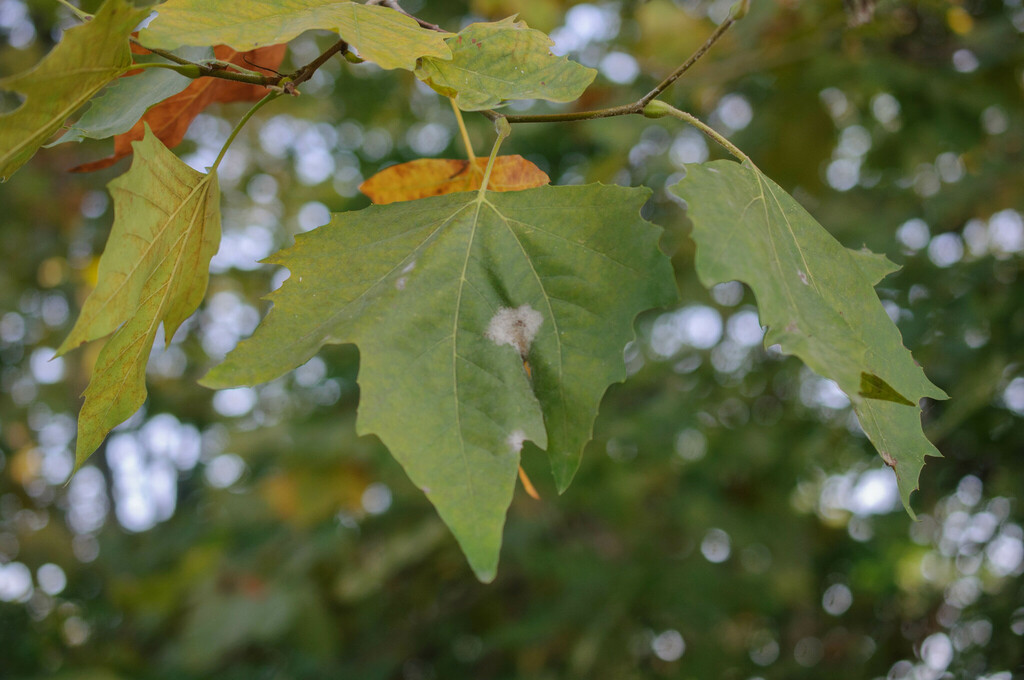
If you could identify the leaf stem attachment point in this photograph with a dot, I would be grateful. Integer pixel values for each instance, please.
(504, 130)
(80, 13)
(739, 9)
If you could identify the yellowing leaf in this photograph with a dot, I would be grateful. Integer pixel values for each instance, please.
(380, 34)
(437, 176)
(89, 57)
(154, 269)
(817, 299)
(494, 62)
(444, 298)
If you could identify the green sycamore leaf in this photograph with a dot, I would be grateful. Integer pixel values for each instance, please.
(382, 35)
(155, 269)
(121, 105)
(817, 299)
(495, 62)
(88, 57)
(482, 319)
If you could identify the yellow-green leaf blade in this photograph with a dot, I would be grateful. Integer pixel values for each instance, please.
(424, 289)
(88, 57)
(381, 35)
(495, 62)
(154, 270)
(817, 299)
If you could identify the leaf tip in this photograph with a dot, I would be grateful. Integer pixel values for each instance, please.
(485, 576)
(212, 380)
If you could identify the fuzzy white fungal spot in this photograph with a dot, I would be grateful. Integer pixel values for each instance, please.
(400, 283)
(515, 440)
(516, 327)
(409, 267)
(803, 277)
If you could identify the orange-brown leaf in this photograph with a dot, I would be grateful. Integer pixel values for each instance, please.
(436, 176)
(170, 119)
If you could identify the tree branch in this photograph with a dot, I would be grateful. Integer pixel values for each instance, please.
(190, 70)
(393, 4)
(307, 71)
(738, 12)
(197, 70)
(694, 58)
(221, 70)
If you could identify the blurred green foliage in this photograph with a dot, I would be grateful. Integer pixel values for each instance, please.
(728, 521)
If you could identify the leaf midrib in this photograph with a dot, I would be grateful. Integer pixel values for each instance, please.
(165, 287)
(158, 235)
(551, 313)
(323, 329)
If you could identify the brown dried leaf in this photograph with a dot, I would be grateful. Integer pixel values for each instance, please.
(169, 120)
(436, 176)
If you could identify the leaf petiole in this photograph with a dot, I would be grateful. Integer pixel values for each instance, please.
(187, 70)
(504, 130)
(245, 119)
(465, 133)
(658, 108)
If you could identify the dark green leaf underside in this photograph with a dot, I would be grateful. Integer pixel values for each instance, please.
(817, 300)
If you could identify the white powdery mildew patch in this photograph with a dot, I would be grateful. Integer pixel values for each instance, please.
(515, 440)
(400, 283)
(516, 327)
